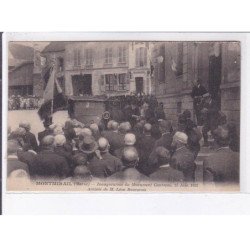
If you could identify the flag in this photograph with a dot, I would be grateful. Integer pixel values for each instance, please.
(49, 87)
(53, 96)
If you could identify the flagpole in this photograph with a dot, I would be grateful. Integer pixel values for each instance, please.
(52, 101)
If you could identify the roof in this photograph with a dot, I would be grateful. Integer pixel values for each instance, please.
(20, 65)
(54, 47)
(21, 52)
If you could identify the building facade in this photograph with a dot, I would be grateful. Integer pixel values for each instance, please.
(21, 79)
(178, 65)
(110, 68)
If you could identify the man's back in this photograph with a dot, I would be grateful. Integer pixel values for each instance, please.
(104, 167)
(30, 139)
(165, 141)
(129, 174)
(224, 163)
(116, 140)
(145, 147)
(183, 160)
(44, 133)
(49, 164)
(167, 174)
(13, 163)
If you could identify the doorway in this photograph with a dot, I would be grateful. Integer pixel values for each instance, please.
(139, 85)
(82, 84)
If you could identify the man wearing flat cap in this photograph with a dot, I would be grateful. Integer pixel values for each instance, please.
(222, 165)
(183, 158)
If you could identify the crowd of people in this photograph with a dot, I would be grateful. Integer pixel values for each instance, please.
(16, 102)
(144, 146)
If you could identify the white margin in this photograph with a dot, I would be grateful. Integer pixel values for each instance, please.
(156, 203)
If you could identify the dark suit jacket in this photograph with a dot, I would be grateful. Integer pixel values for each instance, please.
(26, 157)
(44, 133)
(49, 164)
(165, 141)
(198, 91)
(14, 164)
(129, 174)
(145, 146)
(116, 140)
(167, 174)
(104, 167)
(30, 139)
(183, 160)
(224, 165)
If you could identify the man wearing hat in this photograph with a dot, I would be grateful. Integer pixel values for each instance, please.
(106, 164)
(88, 146)
(29, 138)
(47, 163)
(222, 165)
(183, 158)
(198, 92)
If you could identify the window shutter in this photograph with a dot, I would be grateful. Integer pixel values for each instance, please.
(120, 55)
(106, 55)
(145, 57)
(137, 57)
(128, 82)
(102, 83)
(110, 55)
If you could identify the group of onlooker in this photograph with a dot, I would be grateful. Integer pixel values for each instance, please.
(16, 102)
(141, 148)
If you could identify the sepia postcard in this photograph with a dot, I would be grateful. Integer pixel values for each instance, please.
(122, 115)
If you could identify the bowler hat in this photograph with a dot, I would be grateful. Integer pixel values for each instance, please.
(88, 145)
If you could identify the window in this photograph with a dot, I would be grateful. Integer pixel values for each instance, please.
(77, 57)
(108, 55)
(60, 64)
(179, 71)
(141, 57)
(89, 57)
(122, 81)
(161, 65)
(110, 82)
(122, 54)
